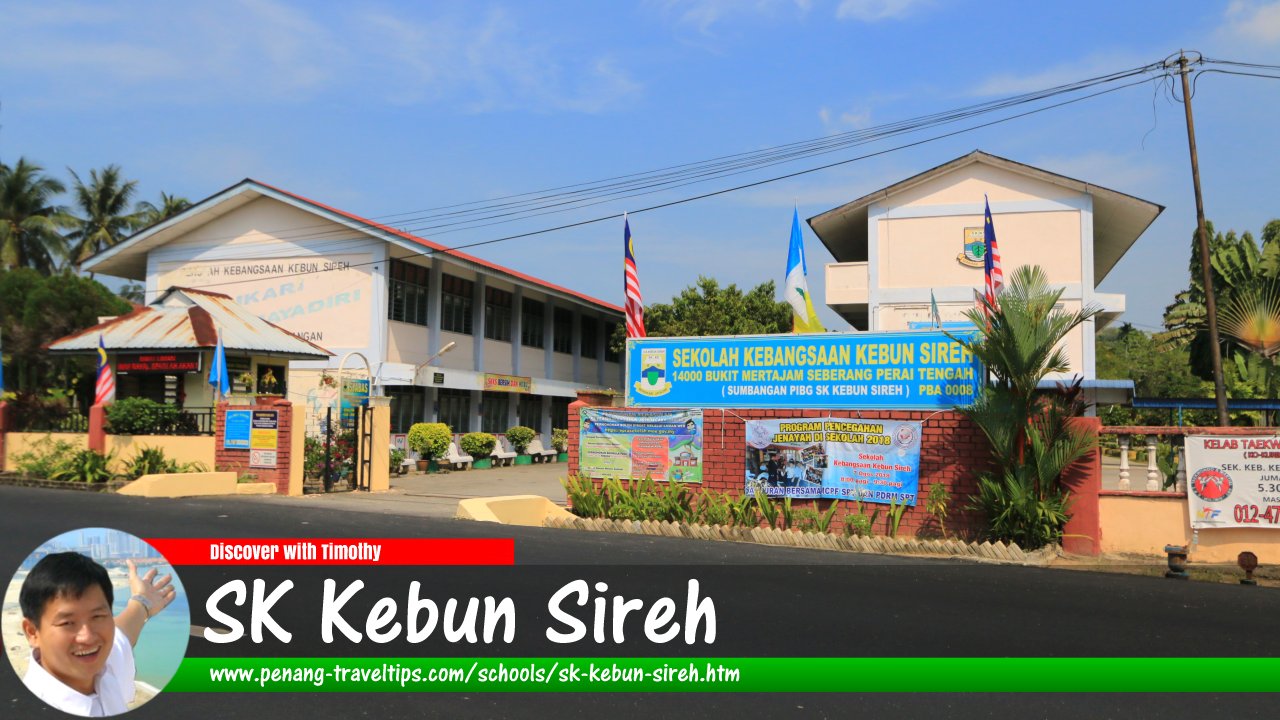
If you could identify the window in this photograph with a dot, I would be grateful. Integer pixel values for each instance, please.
(611, 353)
(532, 330)
(493, 412)
(560, 412)
(529, 411)
(497, 314)
(407, 293)
(589, 337)
(408, 406)
(564, 331)
(455, 304)
(455, 410)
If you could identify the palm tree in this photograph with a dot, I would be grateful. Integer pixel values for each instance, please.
(104, 217)
(29, 221)
(169, 206)
(1032, 437)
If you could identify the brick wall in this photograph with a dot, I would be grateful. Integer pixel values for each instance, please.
(952, 452)
(237, 461)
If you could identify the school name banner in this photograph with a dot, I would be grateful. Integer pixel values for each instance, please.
(659, 445)
(893, 371)
(1233, 482)
(874, 461)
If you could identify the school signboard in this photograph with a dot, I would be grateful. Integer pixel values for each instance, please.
(843, 458)
(893, 371)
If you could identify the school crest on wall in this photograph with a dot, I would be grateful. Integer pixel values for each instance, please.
(975, 247)
(653, 373)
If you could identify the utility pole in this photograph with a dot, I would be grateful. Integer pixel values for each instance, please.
(1210, 303)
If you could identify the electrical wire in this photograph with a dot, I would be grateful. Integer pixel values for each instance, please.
(736, 188)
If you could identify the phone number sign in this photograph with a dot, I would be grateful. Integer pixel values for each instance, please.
(1233, 482)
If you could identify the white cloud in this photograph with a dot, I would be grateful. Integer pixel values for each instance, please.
(851, 119)
(876, 10)
(263, 51)
(703, 14)
(1128, 173)
(1252, 22)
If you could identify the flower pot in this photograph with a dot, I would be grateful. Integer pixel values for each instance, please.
(524, 459)
(562, 457)
(423, 465)
(482, 463)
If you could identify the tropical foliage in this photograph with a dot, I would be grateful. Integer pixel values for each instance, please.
(30, 221)
(429, 440)
(105, 215)
(706, 308)
(1032, 437)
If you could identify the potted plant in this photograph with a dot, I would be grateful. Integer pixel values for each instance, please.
(479, 445)
(268, 386)
(327, 380)
(520, 437)
(560, 441)
(429, 440)
(397, 461)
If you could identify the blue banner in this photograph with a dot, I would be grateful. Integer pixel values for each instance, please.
(889, 371)
(874, 461)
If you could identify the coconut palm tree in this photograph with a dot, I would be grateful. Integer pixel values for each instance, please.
(104, 217)
(29, 221)
(169, 206)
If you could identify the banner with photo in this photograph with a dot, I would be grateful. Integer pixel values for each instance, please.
(660, 445)
(1233, 482)
(869, 460)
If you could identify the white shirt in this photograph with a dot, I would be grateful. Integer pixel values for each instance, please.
(113, 687)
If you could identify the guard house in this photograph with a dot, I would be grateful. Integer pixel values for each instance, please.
(894, 246)
(162, 351)
(448, 336)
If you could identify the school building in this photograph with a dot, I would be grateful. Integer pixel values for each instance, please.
(448, 336)
(895, 246)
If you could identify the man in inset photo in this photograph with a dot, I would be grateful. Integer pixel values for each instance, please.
(82, 659)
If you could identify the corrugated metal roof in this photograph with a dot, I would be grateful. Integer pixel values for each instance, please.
(188, 319)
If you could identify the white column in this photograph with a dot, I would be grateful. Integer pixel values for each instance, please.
(1124, 461)
(1180, 479)
(1154, 478)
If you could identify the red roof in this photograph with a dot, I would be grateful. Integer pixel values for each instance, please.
(437, 247)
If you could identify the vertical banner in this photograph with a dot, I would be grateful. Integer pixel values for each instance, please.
(869, 460)
(660, 445)
(1233, 482)
(355, 394)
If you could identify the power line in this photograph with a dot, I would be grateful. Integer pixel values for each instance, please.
(714, 193)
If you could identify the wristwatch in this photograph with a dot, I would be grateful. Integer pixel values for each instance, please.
(144, 602)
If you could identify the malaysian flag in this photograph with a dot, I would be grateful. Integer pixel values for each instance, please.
(991, 260)
(634, 307)
(106, 389)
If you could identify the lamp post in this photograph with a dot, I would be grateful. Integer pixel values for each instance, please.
(433, 358)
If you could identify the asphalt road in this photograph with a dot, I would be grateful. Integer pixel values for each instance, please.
(781, 602)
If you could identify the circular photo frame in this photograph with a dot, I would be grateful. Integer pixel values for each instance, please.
(95, 622)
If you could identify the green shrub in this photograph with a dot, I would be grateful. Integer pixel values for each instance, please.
(152, 461)
(1016, 512)
(560, 439)
(766, 508)
(520, 436)
(478, 444)
(396, 460)
(938, 504)
(44, 457)
(86, 466)
(855, 523)
(141, 416)
(894, 518)
(805, 520)
(743, 511)
(714, 508)
(429, 440)
(584, 499)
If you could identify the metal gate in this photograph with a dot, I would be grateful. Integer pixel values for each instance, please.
(339, 438)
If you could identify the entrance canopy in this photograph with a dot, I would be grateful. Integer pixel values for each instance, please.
(188, 319)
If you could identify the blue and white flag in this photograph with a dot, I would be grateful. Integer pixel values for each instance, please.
(218, 369)
(796, 291)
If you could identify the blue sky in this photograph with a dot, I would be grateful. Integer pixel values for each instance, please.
(381, 108)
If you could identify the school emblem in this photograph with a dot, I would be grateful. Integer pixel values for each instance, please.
(975, 248)
(653, 373)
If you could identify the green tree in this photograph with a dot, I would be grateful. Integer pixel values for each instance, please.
(1031, 434)
(104, 217)
(36, 310)
(170, 205)
(706, 308)
(1126, 353)
(29, 220)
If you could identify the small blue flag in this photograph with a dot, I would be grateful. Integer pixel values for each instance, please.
(218, 369)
